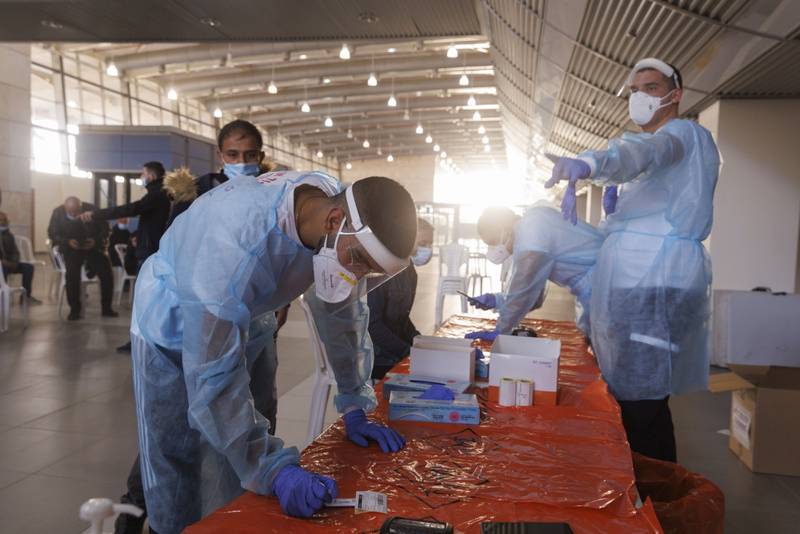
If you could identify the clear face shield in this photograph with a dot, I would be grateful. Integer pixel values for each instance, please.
(355, 263)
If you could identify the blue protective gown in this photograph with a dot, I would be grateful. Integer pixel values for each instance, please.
(650, 293)
(225, 264)
(546, 247)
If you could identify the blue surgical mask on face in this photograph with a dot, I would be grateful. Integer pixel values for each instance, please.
(422, 256)
(234, 170)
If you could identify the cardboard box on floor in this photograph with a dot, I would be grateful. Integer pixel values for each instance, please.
(765, 402)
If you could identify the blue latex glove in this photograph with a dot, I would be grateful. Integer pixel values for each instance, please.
(610, 199)
(568, 169)
(302, 493)
(486, 335)
(569, 204)
(437, 392)
(487, 301)
(359, 429)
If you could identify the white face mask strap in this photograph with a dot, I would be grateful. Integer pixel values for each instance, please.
(338, 233)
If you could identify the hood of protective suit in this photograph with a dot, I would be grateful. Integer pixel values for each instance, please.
(180, 185)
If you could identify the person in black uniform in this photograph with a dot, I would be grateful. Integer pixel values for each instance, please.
(152, 210)
(10, 259)
(81, 242)
(390, 326)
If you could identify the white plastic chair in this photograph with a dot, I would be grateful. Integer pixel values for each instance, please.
(61, 267)
(478, 271)
(121, 275)
(324, 378)
(453, 260)
(25, 254)
(7, 294)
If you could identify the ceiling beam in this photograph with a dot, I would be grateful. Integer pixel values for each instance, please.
(262, 98)
(330, 134)
(367, 106)
(383, 67)
(358, 120)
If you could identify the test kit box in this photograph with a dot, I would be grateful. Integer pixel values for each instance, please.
(407, 406)
(526, 358)
(401, 382)
(446, 358)
(764, 405)
(755, 328)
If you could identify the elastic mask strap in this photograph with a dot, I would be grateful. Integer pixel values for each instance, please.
(338, 233)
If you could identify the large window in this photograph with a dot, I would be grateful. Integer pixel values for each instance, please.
(69, 89)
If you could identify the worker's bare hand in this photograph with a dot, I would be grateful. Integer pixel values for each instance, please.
(86, 216)
(73, 244)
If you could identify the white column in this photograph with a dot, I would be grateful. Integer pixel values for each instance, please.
(754, 241)
(15, 136)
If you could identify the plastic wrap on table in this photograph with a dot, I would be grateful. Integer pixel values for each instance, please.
(684, 502)
(569, 462)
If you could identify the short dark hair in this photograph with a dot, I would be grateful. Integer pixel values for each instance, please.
(388, 209)
(155, 167)
(676, 78)
(242, 127)
(423, 225)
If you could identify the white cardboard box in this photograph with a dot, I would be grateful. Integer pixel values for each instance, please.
(530, 358)
(439, 357)
(756, 328)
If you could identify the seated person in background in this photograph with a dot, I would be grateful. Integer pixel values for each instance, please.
(121, 235)
(544, 247)
(9, 257)
(81, 242)
(390, 325)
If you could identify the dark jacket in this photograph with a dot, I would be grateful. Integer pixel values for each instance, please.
(153, 212)
(8, 247)
(205, 183)
(390, 325)
(61, 229)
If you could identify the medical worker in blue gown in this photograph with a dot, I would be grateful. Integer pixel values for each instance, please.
(544, 247)
(242, 250)
(650, 293)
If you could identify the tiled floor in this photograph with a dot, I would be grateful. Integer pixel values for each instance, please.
(68, 430)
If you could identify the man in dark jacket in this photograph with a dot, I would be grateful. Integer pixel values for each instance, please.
(152, 210)
(81, 242)
(390, 326)
(9, 258)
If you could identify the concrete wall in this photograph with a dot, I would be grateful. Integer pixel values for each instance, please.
(754, 241)
(414, 173)
(15, 136)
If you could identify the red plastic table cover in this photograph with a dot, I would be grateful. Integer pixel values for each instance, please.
(566, 463)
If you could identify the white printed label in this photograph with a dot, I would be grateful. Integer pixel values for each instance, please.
(371, 501)
(740, 424)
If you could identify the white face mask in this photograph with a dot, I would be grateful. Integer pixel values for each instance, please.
(422, 256)
(642, 107)
(497, 254)
(332, 281)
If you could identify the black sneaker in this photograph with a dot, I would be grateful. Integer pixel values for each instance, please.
(110, 313)
(74, 316)
(124, 349)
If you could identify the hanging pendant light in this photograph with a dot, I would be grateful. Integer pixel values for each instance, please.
(471, 100)
(419, 129)
(476, 116)
(344, 53)
(452, 52)
(328, 122)
(463, 81)
(429, 139)
(481, 130)
(217, 113)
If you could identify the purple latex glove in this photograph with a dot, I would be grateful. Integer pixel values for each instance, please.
(487, 301)
(610, 199)
(569, 204)
(360, 429)
(568, 169)
(437, 392)
(302, 493)
(486, 335)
